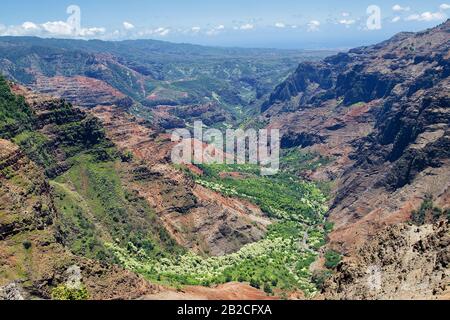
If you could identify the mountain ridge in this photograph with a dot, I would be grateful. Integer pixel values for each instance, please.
(371, 125)
(381, 113)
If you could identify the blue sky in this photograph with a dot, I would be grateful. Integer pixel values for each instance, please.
(247, 23)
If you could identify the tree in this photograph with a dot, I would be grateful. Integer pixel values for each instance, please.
(332, 259)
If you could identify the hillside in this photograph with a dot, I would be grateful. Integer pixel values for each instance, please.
(359, 209)
(100, 194)
(145, 74)
(381, 115)
(37, 246)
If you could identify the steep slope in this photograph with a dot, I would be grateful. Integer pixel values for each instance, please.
(381, 115)
(83, 200)
(402, 262)
(34, 261)
(147, 74)
(198, 218)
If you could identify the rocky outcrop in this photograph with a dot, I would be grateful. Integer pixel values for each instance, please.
(12, 291)
(82, 91)
(401, 262)
(22, 186)
(381, 113)
(197, 218)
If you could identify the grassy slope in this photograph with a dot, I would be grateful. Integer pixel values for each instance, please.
(94, 205)
(98, 207)
(100, 218)
(279, 263)
(15, 116)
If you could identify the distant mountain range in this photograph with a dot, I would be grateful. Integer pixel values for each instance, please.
(149, 73)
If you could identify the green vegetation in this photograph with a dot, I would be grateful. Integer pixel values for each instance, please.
(15, 116)
(282, 196)
(332, 259)
(97, 208)
(295, 161)
(37, 147)
(62, 292)
(428, 212)
(320, 277)
(278, 263)
(27, 244)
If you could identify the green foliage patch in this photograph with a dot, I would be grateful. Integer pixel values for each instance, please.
(62, 292)
(15, 115)
(428, 212)
(97, 208)
(278, 262)
(332, 259)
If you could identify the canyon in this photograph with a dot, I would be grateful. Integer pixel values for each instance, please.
(87, 181)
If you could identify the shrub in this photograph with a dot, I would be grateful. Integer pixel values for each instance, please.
(268, 288)
(332, 259)
(418, 217)
(127, 156)
(255, 283)
(62, 292)
(26, 244)
(328, 226)
(319, 278)
(427, 212)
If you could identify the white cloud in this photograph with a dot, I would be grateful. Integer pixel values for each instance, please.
(427, 16)
(162, 31)
(195, 30)
(280, 25)
(128, 25)
(398, 8)
(347, 22)
(313, 25)
(247, 26)
(90, 32)
(30, 26)
(345, 14)
(215, 30)
(396, 19)
(444, 6)
(58, 28)
(50, 29)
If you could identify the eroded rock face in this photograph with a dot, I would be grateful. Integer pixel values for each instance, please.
(22, 186)
(197, 218)
(381, 113)
(401, 262)
(82, 91)
(33, 261)
(12, 291)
